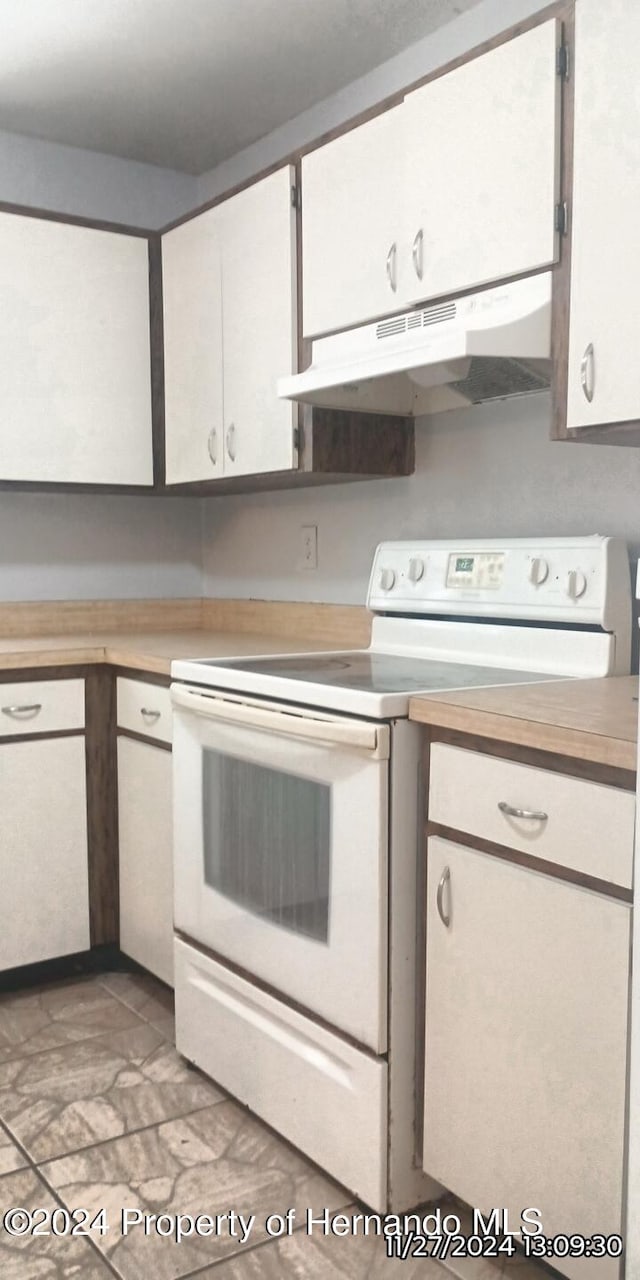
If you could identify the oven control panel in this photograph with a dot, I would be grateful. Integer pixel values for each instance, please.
(583, 580)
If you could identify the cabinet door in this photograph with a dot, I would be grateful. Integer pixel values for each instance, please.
(481, 177)
(146, 858)
(44, 901)
(525, 1047)
(192, 301)
(604, 371)
(75, 382)
(352, 225)
(259, 324)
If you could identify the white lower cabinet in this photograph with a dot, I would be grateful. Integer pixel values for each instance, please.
(44, 897)
(525, 1045)
(146, 859)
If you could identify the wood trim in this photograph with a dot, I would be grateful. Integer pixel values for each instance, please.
(369, 113)
(576, 767)
(58, 486)
(144, 738)
(304, 344)
(22, 619)
(99, 960)
(527, 860)
(352, 445)
(561, 297)
(102, 806)
(621, 433)
(156, 335)
(40, 737)
(74, 220)
(20, 675)
(141, 677)
(346, 625)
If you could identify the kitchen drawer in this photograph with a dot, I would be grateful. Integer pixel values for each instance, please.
(41, 706)
(319, 1091)
(145, 708)
(588, 828)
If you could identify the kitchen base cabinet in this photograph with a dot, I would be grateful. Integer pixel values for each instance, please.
(525, 1045)
(146, 857)
(44, 898)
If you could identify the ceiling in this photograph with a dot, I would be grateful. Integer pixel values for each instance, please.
(187, 83)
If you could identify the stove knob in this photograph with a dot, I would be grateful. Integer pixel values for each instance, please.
(538, 571)
(387, 579)
(416, 570)
(576, 584)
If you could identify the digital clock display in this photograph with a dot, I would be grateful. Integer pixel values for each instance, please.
(483, 571)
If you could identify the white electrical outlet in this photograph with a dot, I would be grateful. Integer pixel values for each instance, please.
(308, 547)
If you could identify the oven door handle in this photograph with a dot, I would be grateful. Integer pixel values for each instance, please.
(355, 736)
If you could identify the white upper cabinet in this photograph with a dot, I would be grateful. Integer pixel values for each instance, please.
(454, 188)
(482, 177)
(259, 324)
(230, 331)
(192, 301)
(75, 383)
(604, 320)
(352, 226)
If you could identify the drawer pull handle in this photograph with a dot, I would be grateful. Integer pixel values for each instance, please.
(537, 815)
(27, 711)
(391, 267)
(417, 253)
(442, 884)
(587, 372)
(149, 713)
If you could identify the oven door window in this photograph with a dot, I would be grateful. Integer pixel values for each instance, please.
(267, 842)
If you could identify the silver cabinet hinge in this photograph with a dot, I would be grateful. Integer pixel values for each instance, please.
(295, 198)
(562, 218)
(297, 439)
(562, 61)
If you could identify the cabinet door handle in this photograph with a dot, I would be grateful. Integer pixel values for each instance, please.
(417, 253)
(231, 441)
(212, 445)
(538, 815)
(149, 714)
(392, 258)
(587, 372)
(442, 884)
(27, 710)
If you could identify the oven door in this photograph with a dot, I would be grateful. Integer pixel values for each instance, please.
(280, 850)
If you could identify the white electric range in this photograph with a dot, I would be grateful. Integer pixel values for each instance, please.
(299, 860)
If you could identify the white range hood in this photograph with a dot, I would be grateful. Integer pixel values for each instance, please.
(484, 346)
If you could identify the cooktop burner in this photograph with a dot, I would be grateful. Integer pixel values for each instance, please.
(366, 671)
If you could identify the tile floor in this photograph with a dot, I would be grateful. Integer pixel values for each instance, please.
(99, 1112)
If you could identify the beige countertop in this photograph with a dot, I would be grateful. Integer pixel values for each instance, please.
(151, 651)
(595, 720)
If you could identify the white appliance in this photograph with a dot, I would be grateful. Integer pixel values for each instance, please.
(484, 346)
(299, 865)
